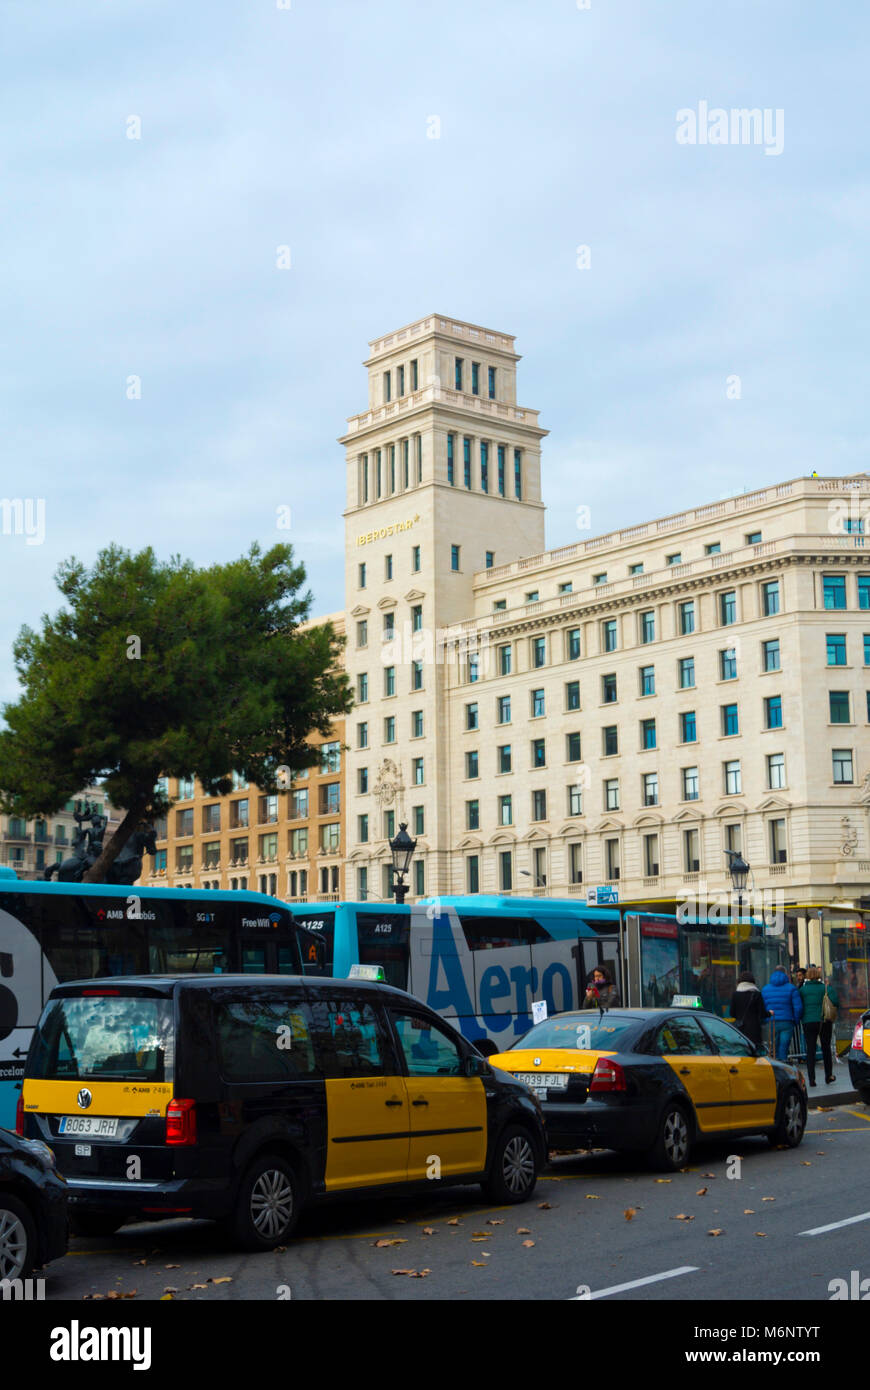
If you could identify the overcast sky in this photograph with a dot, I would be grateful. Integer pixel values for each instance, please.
(309, 127)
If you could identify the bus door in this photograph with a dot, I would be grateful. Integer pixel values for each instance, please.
(599, 945)
(505, 984)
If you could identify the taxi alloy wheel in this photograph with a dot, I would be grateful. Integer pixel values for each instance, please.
(514, 1171)
(671, 1148)
(792, 1121)
(17, 1239)
(268, 1204)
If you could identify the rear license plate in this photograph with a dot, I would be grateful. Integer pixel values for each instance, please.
(545, 1081)
(83, 1150)
(98, 1126)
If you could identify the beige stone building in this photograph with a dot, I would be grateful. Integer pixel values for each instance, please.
(30, 846)
(621, 711)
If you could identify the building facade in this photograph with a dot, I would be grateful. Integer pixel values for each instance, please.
(620, 711)
(30, 846)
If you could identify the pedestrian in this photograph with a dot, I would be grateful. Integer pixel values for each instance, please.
(601, 992)
(786, 1005)
(748, 1009)
(818, 1028)
(799, 976)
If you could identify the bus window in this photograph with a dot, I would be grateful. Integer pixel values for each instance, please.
(495, 933)
(87, 953)
(253, 960)
(176, 948)
(323, 924)
(383, 939)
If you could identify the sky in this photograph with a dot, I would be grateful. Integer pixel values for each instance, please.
(166, 382)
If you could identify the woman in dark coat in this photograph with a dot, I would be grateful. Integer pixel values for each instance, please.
(748, 1008)
(601, 992)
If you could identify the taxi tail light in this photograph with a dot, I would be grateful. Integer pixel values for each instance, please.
(858, 1036)
(19, 1117)
(607, 1076)
(181, 1122)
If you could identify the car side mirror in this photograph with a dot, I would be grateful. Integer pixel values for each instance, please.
(474, 1066)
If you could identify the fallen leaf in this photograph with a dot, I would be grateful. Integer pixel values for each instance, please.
(140, 1262)
(454, 1221)
(820, 1152)
(172, 1266)
(166, 1297)
(806, 1163)
(170, 1288)
(96, 1297)
(523, 1231)
(528, 1244)
(761, 1233)
(428, 1230)
(824, 1107)
(481, 1264)
(401, 1221)
(768, 1199)
(224, 1279)
(476, 1240)
(197, 1286)
(382, 1244)
(664, 1179)
(481, 1235)
(279, 1249)
(545, 1206)
(493, 1221)
(683, 1217)
(413, 1273)
(629, 1213)
(748, 1211)
(592, 1197)
(708, 1175)
(716, 1232)
(701, 1192)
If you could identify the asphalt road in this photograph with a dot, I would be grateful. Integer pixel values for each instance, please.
(596, 1225)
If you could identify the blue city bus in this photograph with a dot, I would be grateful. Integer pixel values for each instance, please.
(481, 961)
(53, 932)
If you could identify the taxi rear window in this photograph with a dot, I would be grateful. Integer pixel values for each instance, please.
(104, 1039)
(581, 1031)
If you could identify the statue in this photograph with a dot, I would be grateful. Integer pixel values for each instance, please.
(87, 846)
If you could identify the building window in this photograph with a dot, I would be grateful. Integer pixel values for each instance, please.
(416, 675)
(734, 838)
(532, 596)
(362, 634)
(387, 387)
(418, 450)
(648, 733)
(647, 680)
(362, 735)
(419, 877)
(389, 625)
(475, 378)
(635, 569)
(842, 758)
(362, 780)
(415, 558)
(362, 829)
(417, 617)
(473, 668)
(752, 538)
(648, 626)
(687, 618)
(728, 607)
(503, 754)
(836, 648)
(414, 375)
(471, 716)
(299, 804)
(863, 587)
(611, 794)
(573, 754)
(184, 819)
(505, 810)
(457, 373)
(378, 479)
(389, 681)
(567, 587)
(575, 863)
(608, 630)
(390, 729)
(389, 825)
(775, 771)
(732, 778)
(539, 752)
(691, 851)
(503, 709)
(539, 651)
(675, 559)
(651, 856)
(406, 478)
(364, 474)
(573, 643)
(451, 472)
(504, 660)
(417, 723)
(489, 559)
(575, 801)
(400, 381)
(362, 576)
(728, 664)
(690, 784)
(484, 466)
(391, 454)
(211, 820)
(472, 815)
(599, 578)
(518, 474)
(472, 874)
(777, 842)
(418, 819)
(611, 859)
(687, 672)
(471, 765)
(834, 591)
(490, 382)
(770, 598)
(838, 702)
(238, 817)
(715, 548)
(773, 712)
(650, 785)
(730, 721)
(539, 805)
(501, 470)
(505, 862)
(466, 461)
(538, 704)
(770, 655)
(688, 726)
(572, 695)
(610, 741)
(417, 772)
(454, 557)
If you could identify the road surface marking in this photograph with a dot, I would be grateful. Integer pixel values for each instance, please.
(637, 1283)
(835, 1225)
(859, 1114)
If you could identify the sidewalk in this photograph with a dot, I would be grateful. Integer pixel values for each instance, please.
(840, 1092)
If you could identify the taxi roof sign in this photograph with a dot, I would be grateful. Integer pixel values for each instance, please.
(686, 1001)
(367, 972)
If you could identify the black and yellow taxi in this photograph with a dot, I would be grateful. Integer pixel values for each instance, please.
(244, 1098)
(654, 1080)
(859, 1057)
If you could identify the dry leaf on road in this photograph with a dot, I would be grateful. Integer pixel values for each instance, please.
(761, 1233)
(527, 1244)
(545, 1206)
(396, 1240)
(454, 1221)
(768, 1199)
(717, 1231)
(224, 1279)
(748, 1211)
(592, 1197)
(701, 1192)
(629, 1213)
(683, 1217)
(523, 1231)
(428, 1230)
(481, 1264)
(664, 1179)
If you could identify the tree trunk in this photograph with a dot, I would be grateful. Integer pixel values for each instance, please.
(98, 872)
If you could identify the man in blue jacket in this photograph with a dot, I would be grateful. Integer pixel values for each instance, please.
(787, 1007)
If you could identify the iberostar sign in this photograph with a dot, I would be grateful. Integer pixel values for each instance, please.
(379, 535)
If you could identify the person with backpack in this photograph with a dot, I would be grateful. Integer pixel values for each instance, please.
(748, 1009)
(786, 1005)
(820, 1003)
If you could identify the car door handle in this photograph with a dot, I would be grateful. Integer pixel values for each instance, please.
(685, 1071)
(419, 1102)
(393, 1102)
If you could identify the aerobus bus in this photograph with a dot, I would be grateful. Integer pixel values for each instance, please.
(54, 932)
(481, 961)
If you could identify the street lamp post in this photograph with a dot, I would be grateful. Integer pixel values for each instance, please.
(402, 849)
(738, 869)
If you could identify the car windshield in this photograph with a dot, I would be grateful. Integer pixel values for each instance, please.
(113, 1039)
(584, 1031)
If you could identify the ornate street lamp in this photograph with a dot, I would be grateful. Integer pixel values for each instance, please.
(738, 869)
(402, 849)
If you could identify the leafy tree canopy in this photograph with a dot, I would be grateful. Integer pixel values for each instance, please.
(161, 668)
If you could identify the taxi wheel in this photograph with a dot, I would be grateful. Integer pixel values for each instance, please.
(671, 1148)
(514, 1170)
(268, 1203)
(792, 1121)
(17, 1239)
